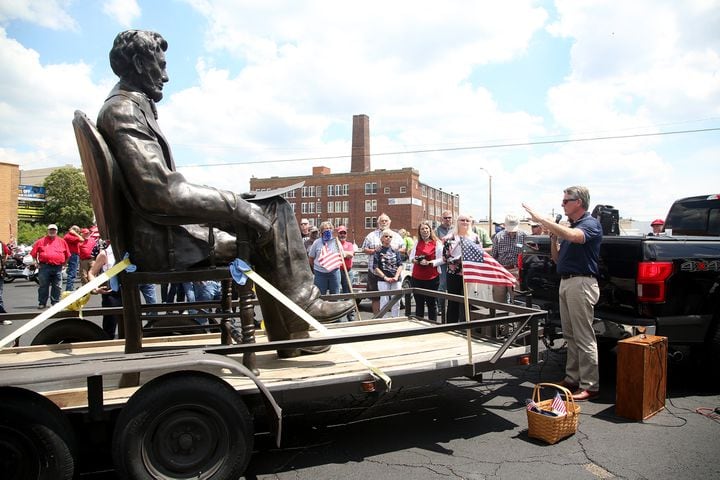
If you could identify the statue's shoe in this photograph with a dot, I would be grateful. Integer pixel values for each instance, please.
(325, 311)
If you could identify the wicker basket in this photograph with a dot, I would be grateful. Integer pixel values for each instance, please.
(552, 429)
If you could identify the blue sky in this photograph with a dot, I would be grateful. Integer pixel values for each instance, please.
(252, 82)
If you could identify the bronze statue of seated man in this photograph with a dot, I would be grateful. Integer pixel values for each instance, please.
(128, 122)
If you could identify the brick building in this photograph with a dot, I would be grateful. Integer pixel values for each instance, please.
(9, 182)
(355, 199)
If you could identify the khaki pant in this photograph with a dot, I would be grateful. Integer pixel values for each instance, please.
(578, 296)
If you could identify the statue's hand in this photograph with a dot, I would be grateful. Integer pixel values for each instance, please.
(247, 195)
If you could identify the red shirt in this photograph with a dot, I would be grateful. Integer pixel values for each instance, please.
(348, 247)
(51, 250)
(86, 248)
(73, 242)
(425, 272)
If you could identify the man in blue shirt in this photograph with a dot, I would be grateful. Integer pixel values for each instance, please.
(575, 250)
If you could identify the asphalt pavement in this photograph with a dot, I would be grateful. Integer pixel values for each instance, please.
(466, 429)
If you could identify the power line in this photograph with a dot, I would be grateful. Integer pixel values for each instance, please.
(455, 149)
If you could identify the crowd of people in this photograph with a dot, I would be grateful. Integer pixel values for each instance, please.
(431, 254)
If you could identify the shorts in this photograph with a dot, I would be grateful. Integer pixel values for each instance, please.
(372, 282)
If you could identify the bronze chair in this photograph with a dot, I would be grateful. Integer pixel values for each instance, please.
(112, 202)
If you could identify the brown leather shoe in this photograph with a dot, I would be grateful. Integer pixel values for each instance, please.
(583, 395)
(569, 385)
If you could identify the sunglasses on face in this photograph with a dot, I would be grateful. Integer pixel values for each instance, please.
(566, 200)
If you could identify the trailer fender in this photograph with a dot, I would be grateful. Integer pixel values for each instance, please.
(70, 330)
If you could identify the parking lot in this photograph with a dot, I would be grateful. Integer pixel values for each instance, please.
(478, 430)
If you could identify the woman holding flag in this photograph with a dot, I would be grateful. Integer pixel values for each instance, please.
(452, 255)
(325, 260)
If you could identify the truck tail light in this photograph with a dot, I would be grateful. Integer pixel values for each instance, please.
(651, 280)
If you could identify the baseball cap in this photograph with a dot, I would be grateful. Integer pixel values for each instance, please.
(52, 226)
(658, 221)
(342, 229)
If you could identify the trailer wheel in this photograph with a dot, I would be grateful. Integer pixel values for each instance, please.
(183, 425)
(160, 322)
(70, 330)
(36, 440)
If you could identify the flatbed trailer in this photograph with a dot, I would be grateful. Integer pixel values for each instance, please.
(192, 412)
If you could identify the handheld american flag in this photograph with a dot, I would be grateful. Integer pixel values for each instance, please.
(329, 260)
(480, 267)
(558, 406)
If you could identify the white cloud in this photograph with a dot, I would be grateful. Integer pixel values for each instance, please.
(37, 104)
(125, 12)
(46, 13)
(282, 80)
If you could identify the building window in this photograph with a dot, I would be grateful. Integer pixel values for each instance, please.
(329, 190)
(371, 188)
(371, 205)
(370, 223)
(423, 191)
(431, 210)
(432, 194)
(331, 208)
(318, 207)
(346, 189)
(346, 206)
(338, 207)
(318, 191)
(386, 190)
(293, 207)
(303, 207)
(403, 189)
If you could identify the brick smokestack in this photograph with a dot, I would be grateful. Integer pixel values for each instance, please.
(360, 144)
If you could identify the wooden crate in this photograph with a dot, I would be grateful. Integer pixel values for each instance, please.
(641, 376)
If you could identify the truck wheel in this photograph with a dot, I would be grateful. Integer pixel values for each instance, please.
(713, 344)
(36, 440)
(70, 330)
(183, 425)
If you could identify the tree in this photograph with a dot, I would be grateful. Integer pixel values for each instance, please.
(28, 232)
(67, 199)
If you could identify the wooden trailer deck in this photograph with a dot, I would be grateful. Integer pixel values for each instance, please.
(435, 354)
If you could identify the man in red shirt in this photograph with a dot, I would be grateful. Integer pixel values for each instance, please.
(73, 239)
(4, 252)
(86, 254)
(348, 253)
(51, 252)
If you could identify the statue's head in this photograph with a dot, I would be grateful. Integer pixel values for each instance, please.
(138, 58)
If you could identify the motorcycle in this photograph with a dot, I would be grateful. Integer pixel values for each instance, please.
(31, 269)
(14, 268)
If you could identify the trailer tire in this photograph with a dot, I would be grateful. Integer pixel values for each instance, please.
(69, 330)
(161, 322)
(36, 440)
(183, 425)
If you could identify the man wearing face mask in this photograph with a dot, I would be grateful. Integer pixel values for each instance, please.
(128, 122)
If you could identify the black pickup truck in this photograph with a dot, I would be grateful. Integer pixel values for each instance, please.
(668, 284)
